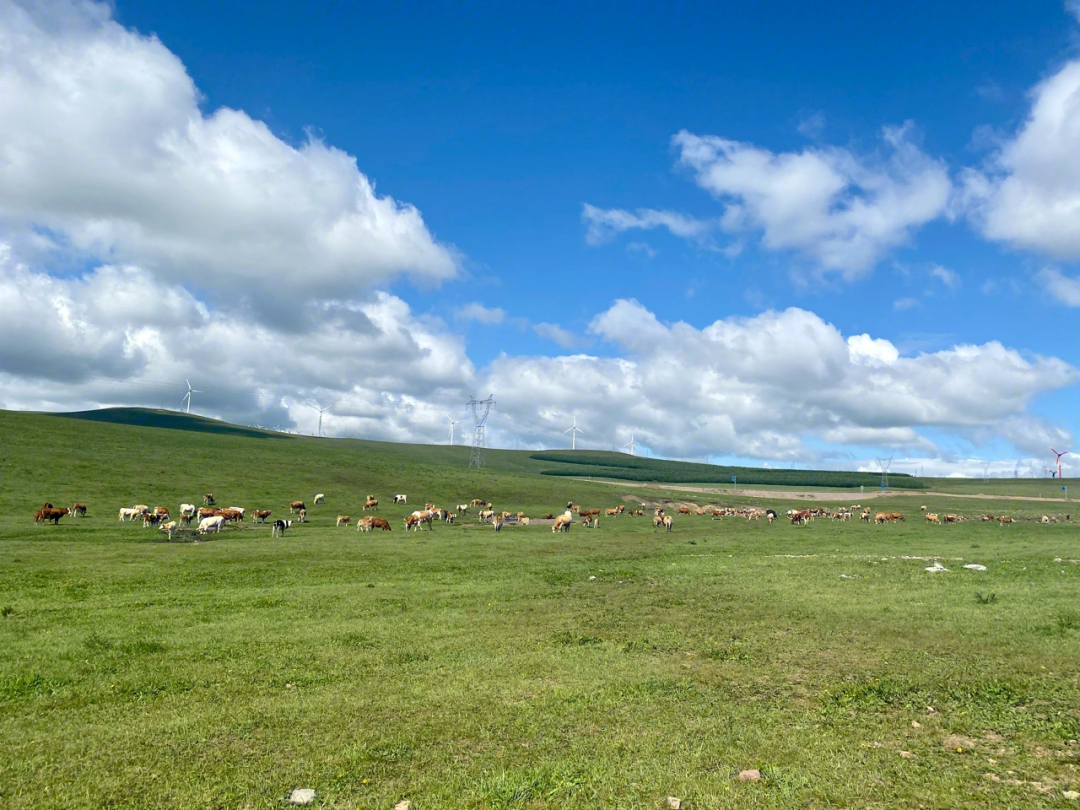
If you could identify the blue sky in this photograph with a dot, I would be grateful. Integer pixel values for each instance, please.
(673, 157)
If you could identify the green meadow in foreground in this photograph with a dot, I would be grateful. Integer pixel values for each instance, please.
(460, 668)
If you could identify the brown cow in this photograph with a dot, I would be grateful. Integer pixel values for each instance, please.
(231, 515)
(259, 515)
(379, 523)
(370, 503)
(342, 519)
(52, 514)
(78, 510)
(562, 522)
(208, 511)
(296, 506)
(208, 499)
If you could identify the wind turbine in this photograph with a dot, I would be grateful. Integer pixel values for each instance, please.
(1059, 455)
(574, 431)
(452, 423)
(320, 410)
(185, 402)
(630, 444)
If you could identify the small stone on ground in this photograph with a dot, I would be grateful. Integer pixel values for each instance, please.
(907, 755)
(1071, 794)
(404, 804)
(916, 724)
(302, 796)
(673, 803)
(751, 775)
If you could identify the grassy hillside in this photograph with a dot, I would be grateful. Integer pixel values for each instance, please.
(464, 669)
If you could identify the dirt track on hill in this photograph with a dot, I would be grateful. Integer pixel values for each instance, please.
(844, 497)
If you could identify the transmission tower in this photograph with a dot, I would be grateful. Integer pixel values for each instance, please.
(884, 464)
(480, 409)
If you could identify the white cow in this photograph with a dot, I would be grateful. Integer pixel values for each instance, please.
(401, 499)
(239, 509)
(127, 514)
(211, 524)
(187, 509)
(320, 498)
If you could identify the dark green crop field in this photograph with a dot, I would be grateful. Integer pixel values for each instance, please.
(460, 668)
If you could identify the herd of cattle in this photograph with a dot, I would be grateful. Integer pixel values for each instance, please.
(212, 519)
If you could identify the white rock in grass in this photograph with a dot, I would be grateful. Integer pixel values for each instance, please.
(404, 804)
(302, 796)
(673, 803)
(975, 567)
(936, 567)
(1071, 794)
(751, 775)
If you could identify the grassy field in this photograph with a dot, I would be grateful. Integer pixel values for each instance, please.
(463, 669)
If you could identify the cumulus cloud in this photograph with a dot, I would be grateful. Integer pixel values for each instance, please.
(1029, 193)
(760, 387)
(603, 224)
(841, 210)
(902, 304)
(481, 314)
(1065, 289)
(106, 154)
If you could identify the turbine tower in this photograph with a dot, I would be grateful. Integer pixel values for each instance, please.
(320, 410)
(452, 423)
(574, 431)
(630, 444)
(1059, 455)
(480, 409)
(185, 402)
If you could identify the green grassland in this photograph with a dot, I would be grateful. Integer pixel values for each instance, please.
(460, 668)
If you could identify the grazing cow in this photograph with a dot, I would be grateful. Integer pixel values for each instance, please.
(364, 524)
(185, 520)
(371, 503)
(524, 521)
(342, 519)
(141, 508)
(497, 522)
(302, 514)
(127, 514)
(932, 518)
(951, 518)
(78, 510)
(279, 527)
(562, 522)
(187, 509)
(417, 520)
(208, 511)
(449, 516)
(208, 499)
(1004, 520)
(161, 512)
(52, 514)
(318, 499)
(401, 499)
(865, 517)
(657, 521)
(770, 514)
(241, 510)
(211, 524)
(922, 508)
(260, 515)
(168, 528)
(668, 522)
(485, 515)
(380, 523)
(611, 512)
(478, 502)
(232, 515)
(1044, 519)
(684, 510)
(296, 506)
(462, 508)
(149, 519)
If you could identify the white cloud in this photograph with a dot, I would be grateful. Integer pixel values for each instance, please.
(644, 248)
(555, 334)
(1065, 289)
(480, 314)
(603, 224)
(842, 211)
(1029, 194)
(902, 304)
(950, 278)
(762, 387)
(812, 125)
(106, 150)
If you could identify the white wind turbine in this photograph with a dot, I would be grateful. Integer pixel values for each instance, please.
(574, 431)
(320, 410)
(452, 423)
(185, 402)
(631, 444)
